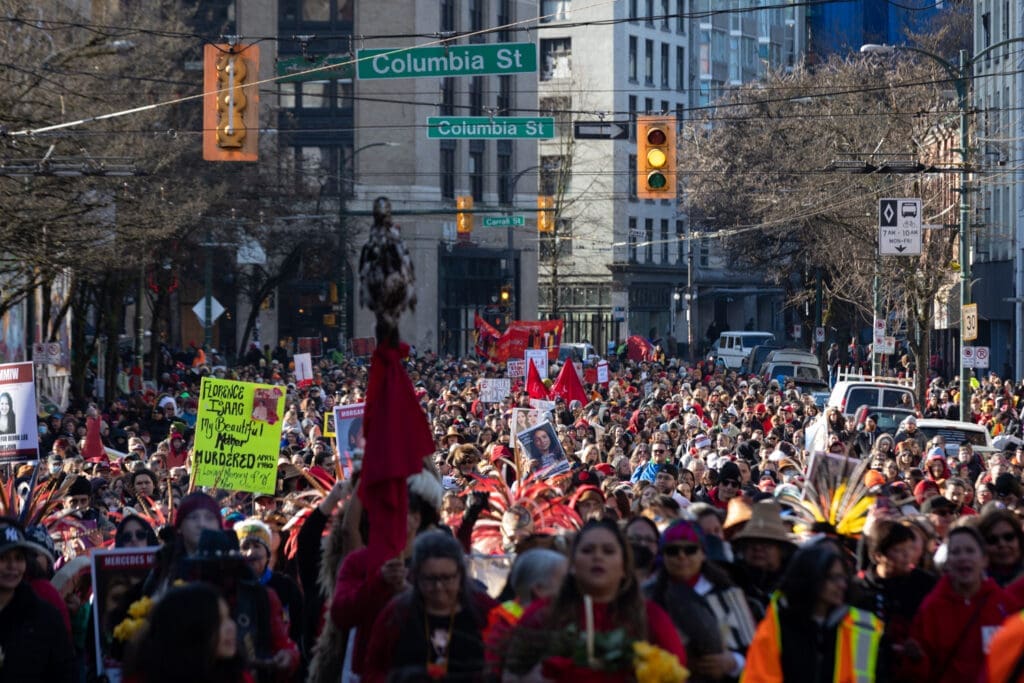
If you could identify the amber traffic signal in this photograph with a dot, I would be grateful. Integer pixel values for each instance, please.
(655, 157)
(464, 214)
(230, 102)
(545, 213)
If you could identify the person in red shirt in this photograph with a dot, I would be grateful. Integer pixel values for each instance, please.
(955, 624)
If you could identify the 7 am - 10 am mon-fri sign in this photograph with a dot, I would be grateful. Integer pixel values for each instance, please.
(447, 60)
(899, 227)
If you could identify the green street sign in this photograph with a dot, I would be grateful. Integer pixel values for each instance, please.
(490, 128)
(449, 60)
(290, 69)
(504, 221)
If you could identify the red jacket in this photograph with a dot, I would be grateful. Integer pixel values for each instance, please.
(359, 597)
(951, 631)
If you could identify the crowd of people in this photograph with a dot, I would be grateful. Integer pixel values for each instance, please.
(691, 528)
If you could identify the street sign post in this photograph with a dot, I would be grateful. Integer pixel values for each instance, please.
(899, 227)
(600, 130)
(447, 60)
(490, 128)
(503, 221)
(295, 69)
(969, 321)
(981, 357)
(967, 356)
(216, 310)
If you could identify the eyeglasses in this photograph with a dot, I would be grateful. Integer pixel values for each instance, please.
(642, 540)
(677, 549)
(730, 482)
(129, 536)
(1008, 537)
(658, 450)
(438, 579)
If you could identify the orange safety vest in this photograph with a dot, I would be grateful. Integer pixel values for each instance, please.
(1004, 651)
(857, 642)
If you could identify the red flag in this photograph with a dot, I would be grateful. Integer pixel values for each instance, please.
(486, 336)
(534, 386)
(397, 438)
(568, 385)
(93, 449)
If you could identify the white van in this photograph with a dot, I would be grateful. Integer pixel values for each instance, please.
(732, 347)
(790, 363)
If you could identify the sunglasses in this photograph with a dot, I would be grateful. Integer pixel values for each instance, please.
(658, 450)
(1008, 537)
(730, 482)
(128, 536)
(677, 549)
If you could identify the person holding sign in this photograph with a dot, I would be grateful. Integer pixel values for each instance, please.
(545, 452)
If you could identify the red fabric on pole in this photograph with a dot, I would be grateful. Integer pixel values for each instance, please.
(639, 349)
(93, 449)
(568, 385)
(397, 438)
(534, 386)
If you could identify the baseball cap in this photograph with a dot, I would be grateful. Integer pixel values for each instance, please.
(12, 536)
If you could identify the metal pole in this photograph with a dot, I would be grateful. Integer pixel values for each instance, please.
(140, 332)
(691, 296)
(875, 306)
(965, 228)
(208, 293)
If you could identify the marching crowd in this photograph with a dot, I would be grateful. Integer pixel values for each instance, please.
(691, 529)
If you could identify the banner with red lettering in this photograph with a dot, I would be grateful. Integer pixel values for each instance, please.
(517, 338)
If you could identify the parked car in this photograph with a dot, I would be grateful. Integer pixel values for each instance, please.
(955, 433)
(731, 348)
(853, 391)
(757, 356)
(581, 353)
(790, 363)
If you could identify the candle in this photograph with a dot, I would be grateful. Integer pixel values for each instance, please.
(588, 608)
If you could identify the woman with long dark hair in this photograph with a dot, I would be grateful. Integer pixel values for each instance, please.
(601, 568)
(435, 629)
(190, 637)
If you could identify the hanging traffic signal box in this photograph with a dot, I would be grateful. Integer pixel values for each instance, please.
(545, 218)
(231, 102)
(655, 157)
(464, 215)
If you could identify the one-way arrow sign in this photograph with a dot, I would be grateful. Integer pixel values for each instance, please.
(600, 130)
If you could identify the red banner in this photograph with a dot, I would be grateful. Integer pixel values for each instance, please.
(519, 336)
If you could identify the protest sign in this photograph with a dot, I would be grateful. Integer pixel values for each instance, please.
(348, 425)
(19, 435)
(117, 576)
(516, 368)
(303, 369)
(544, 455)
(494, 390)
(238, 435)
(602, 372)
(539, 357)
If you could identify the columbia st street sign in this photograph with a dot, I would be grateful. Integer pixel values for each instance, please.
(449, 60)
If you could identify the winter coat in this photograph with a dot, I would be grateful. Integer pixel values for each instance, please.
(34, 641)
(952, 631)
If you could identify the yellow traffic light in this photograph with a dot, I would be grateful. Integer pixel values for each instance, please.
(230, 102)
(464, 216)
(655, 157)
(506, 293)
(545, 219)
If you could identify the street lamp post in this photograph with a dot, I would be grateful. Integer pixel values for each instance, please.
(510, 257)
(960, 74)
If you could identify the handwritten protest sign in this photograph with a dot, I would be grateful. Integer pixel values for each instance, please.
(494, 390)
(238, 435)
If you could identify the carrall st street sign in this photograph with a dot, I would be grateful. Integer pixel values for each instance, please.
(448, 60)
(490, 128)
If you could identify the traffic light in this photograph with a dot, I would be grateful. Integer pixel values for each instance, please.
(655, 157)
(230, 102)
(506, 294)
(545, 219)
(464, 216)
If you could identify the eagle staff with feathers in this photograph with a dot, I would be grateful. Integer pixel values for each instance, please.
(398, 437)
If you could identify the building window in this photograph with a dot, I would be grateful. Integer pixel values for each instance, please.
(632, 117)
(447, 97)
(477, 153)
(315, 95)
(631, 180)
(632, 59)
(476, 15)
(447, 15)
(504, 19)
(505, 164)
(316, 10)
(448, 169)
(555, 175)
(680, 14)
(664, 65)
(632, 240)
(649, 62)
(680, 68)
(560, 108)
(555, 10)
(648, 240)
(649, 19)
(664, 15)
(343, 93)
(476, 96)
(286, 95)
(504, 102)
(680, 242)
(632, 9)
(345, 10)
(663, 246)
(648, 105)
(703, 254)
(555, 58)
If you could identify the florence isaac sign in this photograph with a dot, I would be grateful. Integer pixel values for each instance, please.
(448, 60)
